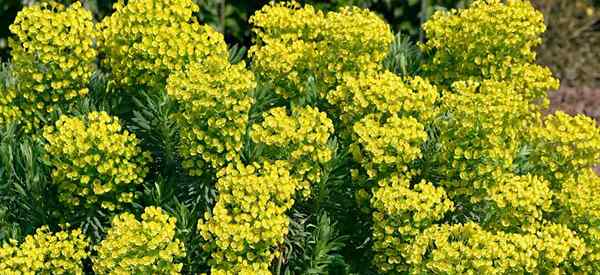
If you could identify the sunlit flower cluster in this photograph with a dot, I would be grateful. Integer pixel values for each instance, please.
(9, 111)
(387, 144)
(489, 41)
(300, 139)
(249, 219)
(94, 161)
(481, 135)
(566, 144)
(468, 248)
(401, 212)
(296, 43)
(519, 202)
(577, 197)
(145, 41)
(383, 93)
(52, 61)
(214, 101)
(483, 41)
(148, 246)
(45, 252)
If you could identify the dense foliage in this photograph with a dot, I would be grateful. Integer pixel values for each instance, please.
(337, 148)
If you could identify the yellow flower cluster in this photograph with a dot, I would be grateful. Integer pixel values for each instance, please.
(146, 40)
(53, 60)
(481, 135)
(214, 100)
(533, 82)
(249, 220)
(45, 252)
(296, 43)
(580, 209)
(95, 162)
(301, 139)
(591, 235)
(383, 93)
(469, 249)
(566, 144)
(519, 202)
(148, 246)
(384, 145)
(578, 197)
(489, 41)
(400, 213)
(482, 41)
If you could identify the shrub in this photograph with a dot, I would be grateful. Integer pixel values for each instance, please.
(148, 246)
(96, 164)
(497, 160)
(324, 157)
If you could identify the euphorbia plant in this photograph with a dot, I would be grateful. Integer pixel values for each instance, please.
(319, 155)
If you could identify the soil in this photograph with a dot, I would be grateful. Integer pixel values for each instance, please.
(577, 101)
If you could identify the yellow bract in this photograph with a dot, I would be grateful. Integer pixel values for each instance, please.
(45, 252)
(9, 110)
(249, 220)
(482, 134)
(301, 139)
(52, 61)
(145, 41)
(520, 202)
(384, 93)
(387, 144)
(469, 249)
(566, 144)
(489, 41)
(295, 43)
(148, 246)
(401, 212)
(94, 161)
(214, 99)
(483, 40)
